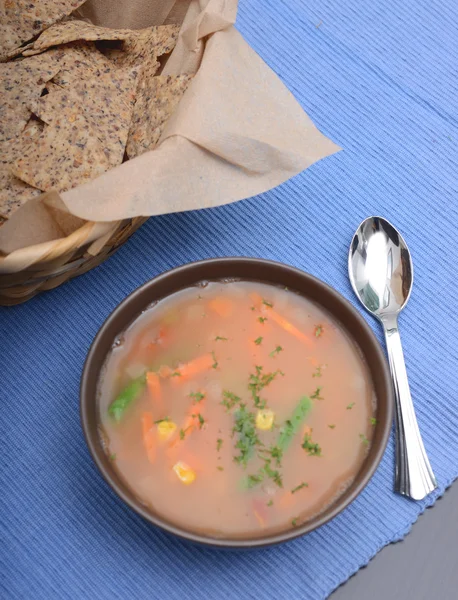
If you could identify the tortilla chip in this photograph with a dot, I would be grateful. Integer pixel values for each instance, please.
(23, 82)
(21, 20)
(145, 44)
(72, 31)
(157, 99)
(66, 154)
(14, 192)
(105, 93)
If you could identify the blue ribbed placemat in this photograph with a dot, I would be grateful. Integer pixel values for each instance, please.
(381, 81)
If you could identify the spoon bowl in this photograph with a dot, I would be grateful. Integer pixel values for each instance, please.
(380, 267)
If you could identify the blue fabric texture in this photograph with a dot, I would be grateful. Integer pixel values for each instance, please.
(380, 80)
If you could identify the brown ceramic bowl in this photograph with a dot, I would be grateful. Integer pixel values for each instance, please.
(246, 269)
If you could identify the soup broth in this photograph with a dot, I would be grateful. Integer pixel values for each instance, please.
(236, 409)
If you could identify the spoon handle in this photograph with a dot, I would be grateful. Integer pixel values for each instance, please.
(414, 476)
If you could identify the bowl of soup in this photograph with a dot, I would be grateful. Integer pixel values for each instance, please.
(236, 402)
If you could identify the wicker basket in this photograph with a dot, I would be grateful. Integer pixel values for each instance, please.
(70, 257)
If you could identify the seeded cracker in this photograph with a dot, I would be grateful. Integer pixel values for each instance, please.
(66, 154)
(105, 93)
(72, 31)
(21, 83)
(157, 98)
(21, 20)
(14, 192)
(145, 44)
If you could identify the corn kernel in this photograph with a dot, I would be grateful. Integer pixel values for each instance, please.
(165, 429)
(184, 473)
(265, 419)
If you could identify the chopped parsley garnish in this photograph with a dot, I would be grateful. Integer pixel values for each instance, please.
(350, 406)
(373, 421)
(299, 487)
(218, 338)
(277, 350)
(316, 394)
(230, 400)
(252, 308)
(220, 468)
(176, 374)
(317, 372)
(265, 471)
(258, 340)
(201, 420)
(162, 420)
(254, 480)
(319, 331)
(269, 304)
(245, 427)
(112, 456)
(294, 522)
(258, 382)
(311, 447)
(364, 439)
(273, 474)
(276, 453)
(331, 426)
(270, 503)
(197, 396)
(215, 362)
(219, 443)
(262, 320)
(182, 433)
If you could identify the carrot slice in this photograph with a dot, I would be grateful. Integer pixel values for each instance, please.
(190, 423)
(196, 366)
(289, 327)
(154, 389)
(221, 306)
(260, 512)
(148, 436)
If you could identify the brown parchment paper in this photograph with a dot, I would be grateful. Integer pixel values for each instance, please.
(237, 132)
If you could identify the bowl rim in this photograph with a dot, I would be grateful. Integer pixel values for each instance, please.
(283, 536)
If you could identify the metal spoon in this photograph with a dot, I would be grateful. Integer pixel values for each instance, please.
(381, 274)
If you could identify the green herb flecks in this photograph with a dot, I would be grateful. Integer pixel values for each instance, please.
(245, 427)
(270, 503)
(373, 421)
(299, 487)
(331, 426)
(350, 406)
(312, 448)
(262, 320)
(258, 341)
(266, 303)
(125, 398)
(364, 439)
(230, 400)
(197, 396)
(258, 382)
(112, 457)
(220, 468)
(276, 351)
(164, 420)
(317, 372)
(218, 338)
(317, 394)
(215, 362)
(176, 374)
(294, 522)
(201, 420)
(319, 330)
(219, 443)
